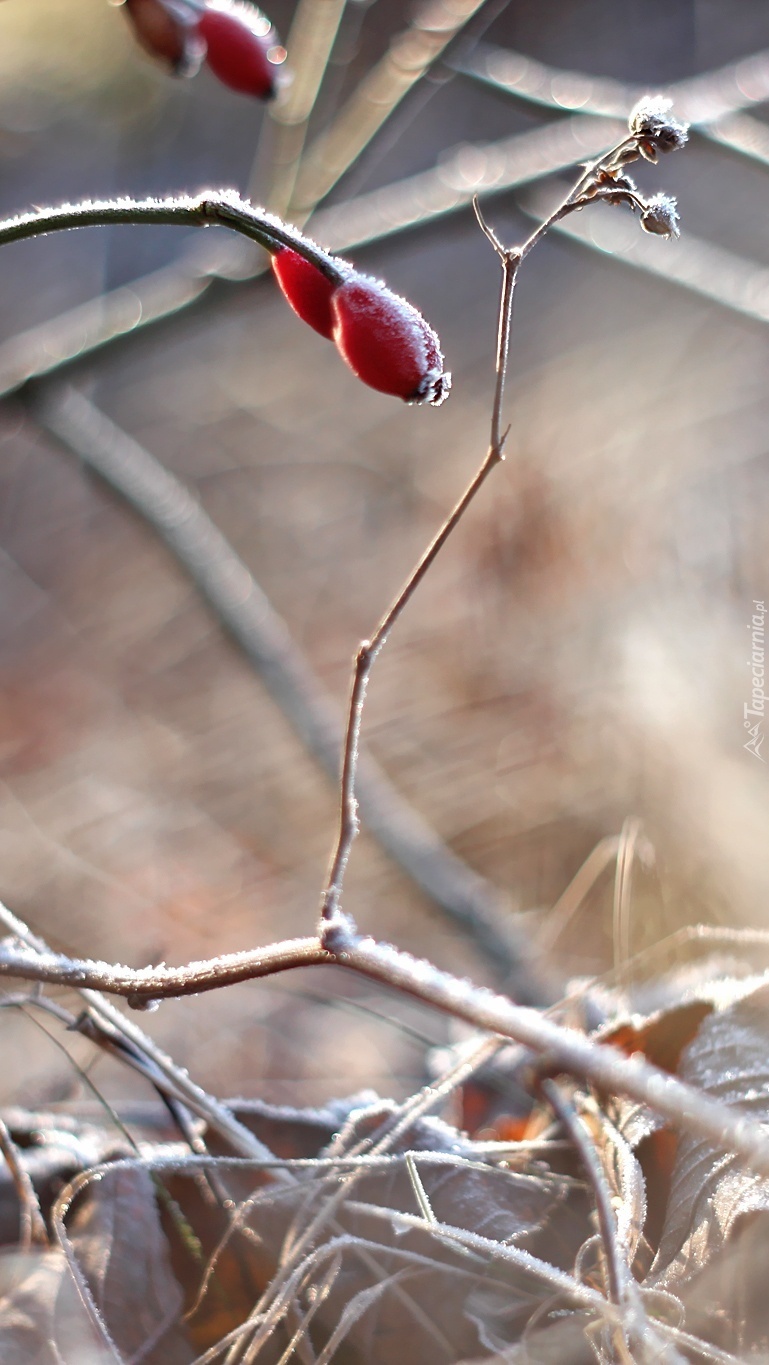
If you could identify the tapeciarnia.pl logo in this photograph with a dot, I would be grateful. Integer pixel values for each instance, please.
(754, 711)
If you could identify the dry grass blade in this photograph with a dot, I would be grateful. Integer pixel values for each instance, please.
(33, 1231)
(320, 1293)
(354, 1310)
(617, 1276)
(621, 917)
(572, 898)
(619, 1219)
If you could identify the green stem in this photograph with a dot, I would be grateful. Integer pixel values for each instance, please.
(210, 208)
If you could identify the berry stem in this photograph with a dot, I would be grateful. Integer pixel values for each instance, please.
(209, 208)
(576, 197)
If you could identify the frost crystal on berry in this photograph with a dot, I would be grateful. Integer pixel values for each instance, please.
(387, 343)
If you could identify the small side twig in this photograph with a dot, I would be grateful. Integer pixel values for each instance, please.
(33, 1231)
(563, 1108)
(243, 608)
(635, 1336)
(369, 649)
(725, 1127)
(216, 1115)
(650, 131)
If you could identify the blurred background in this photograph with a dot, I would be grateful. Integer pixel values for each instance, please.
(572, 674)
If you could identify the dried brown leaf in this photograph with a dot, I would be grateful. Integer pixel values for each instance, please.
(120, 1248)
(434, 1311)
(715, 1205)
(42, 1319)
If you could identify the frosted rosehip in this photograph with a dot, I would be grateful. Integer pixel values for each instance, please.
(387, 343)
(166, 30)
(306, 289)
(242, 48)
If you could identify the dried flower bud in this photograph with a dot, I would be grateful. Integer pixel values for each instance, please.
(614, 186)
(166, 30)
(242, 48)
(306, 289)
(656, 129)
(387, 343)
(660, 216)
(623, 183)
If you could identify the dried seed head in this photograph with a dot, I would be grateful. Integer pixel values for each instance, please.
(241, 47)
(656, 129)
(306, 289)
(387, 343)
(613, 185)
(660, 216)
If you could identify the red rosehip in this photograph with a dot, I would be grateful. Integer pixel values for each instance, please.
(387, 343)
(166, 30)
(306, 289)
(242, 48)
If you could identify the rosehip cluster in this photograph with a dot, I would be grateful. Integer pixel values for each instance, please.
(235, 39)
(383, 338)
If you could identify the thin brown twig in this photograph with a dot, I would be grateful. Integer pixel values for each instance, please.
(32, 1229)
(217, 1115)
(364, 660)
(369, 649)
(143, 986)
(565, 1111)
(242, 607)
(725, 1127)
(510, 259)
(636, 1337)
